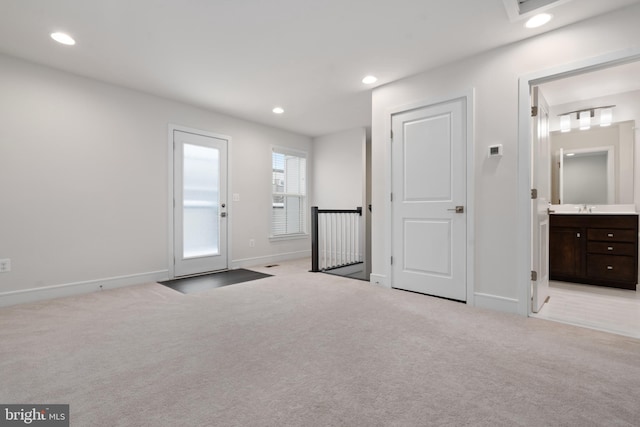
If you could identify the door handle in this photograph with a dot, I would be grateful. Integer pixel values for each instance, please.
(457, 209)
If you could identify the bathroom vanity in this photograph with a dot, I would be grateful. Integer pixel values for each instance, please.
(594, 248)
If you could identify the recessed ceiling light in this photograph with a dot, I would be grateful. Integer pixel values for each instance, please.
(278, 110)
(369, 80)
(63, 38)
(538, 20)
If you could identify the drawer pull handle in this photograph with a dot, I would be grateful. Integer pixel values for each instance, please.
(609, 248)
(609, 267)
(610, 234)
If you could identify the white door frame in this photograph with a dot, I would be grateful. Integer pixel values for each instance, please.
(525, 82)
(468, 96)
(170, 183)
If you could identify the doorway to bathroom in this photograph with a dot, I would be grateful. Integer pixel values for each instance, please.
(601, 82)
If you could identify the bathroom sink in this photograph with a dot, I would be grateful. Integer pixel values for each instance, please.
(593, 209)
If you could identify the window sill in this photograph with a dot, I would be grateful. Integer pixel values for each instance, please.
(289, 237)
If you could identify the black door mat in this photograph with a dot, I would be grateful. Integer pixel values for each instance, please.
(190, 285)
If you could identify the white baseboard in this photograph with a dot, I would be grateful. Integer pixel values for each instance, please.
(495, 302)
(269, 259)
(379, 280)
(77, 288)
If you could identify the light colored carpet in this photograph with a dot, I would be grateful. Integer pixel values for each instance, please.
(305, 349)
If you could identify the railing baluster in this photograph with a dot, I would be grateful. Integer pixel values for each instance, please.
(335, 238)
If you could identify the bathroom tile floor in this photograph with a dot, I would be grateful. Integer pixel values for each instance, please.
(596, 307)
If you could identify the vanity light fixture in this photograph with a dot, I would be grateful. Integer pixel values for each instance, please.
(585, 119)
(63, 38)
(570, 154)
(538, 20)
(278, 110)
(606, 117)
(565, 123)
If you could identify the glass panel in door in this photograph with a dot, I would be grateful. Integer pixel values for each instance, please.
(201, 201)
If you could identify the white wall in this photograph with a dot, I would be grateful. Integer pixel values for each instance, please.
(338, 176)
(84, 173)
(494, 76)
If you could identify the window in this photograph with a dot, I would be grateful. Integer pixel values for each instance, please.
(289, 193)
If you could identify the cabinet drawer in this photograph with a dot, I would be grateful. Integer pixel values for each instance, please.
(615, 235)
(610, 267)
(611, 248)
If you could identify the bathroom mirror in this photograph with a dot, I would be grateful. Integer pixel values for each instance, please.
(594, 166)
(587, 176)
(617, 87)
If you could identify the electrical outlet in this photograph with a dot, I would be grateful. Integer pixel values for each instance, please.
(252, 243)
(5, 265)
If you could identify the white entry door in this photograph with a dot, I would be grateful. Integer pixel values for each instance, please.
(541, 182)
(200, 197)
(428, 202)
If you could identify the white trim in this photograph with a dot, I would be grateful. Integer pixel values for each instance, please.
(469, 99)
(170, 194)
(379, 280)
(269, 259)
(523, 238)
(289, 151)
(78, 288)
(495, 302)
(305, 226)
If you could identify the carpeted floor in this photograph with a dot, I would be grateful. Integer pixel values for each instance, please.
(205, 282)
(305, 349)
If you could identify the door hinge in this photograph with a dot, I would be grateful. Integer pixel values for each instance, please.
(534, 111)
(391, 197)
(534, 193)
(391, 135)
(534, 276)
(391, 260)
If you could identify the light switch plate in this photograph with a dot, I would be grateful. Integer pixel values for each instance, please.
(236, 197)
(5, 265)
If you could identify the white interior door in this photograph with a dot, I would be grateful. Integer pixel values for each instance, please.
(541, 181)
(200, 194)
(428, 202)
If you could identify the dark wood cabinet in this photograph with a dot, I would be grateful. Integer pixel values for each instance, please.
(594, 249)
(565, 251)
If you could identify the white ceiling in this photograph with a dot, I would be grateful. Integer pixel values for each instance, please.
(243, 57)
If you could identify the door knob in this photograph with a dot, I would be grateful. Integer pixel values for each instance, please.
(457, 209)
